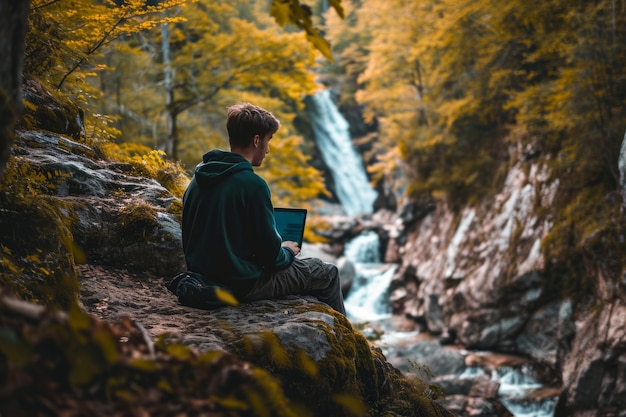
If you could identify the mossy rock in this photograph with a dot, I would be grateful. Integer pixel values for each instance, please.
(38, 254)
(325, 367)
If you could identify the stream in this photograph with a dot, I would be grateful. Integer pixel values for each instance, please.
(368, 305)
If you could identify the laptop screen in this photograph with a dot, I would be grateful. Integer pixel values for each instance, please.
(290, 223)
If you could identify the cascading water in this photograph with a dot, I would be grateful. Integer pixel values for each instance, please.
(368, 300)
(369, 297)
(332, 135)
(515, 385)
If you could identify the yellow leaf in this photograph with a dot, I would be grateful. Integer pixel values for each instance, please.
(226, 297)
(320, 44)
(353, 404)
(279, 10)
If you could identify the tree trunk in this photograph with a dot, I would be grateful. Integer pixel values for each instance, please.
(13, 26)
(171, 147)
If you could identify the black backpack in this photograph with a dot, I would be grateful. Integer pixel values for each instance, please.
(194, 290)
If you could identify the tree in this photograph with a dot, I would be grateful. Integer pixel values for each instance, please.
(216, 51)
(300, 15)
(13, 24)
(459, 86)
(220, 52)
(475, 76)
(14, 28)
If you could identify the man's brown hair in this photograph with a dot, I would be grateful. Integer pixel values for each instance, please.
(246, 120)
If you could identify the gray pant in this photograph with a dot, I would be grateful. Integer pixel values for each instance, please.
(308, 276)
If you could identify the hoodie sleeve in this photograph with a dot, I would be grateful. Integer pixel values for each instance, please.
(268, 248)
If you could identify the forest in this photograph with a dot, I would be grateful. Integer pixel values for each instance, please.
(442, 94)
(444, 98)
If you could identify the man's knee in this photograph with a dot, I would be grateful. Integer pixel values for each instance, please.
(334, 272)
(324, 274)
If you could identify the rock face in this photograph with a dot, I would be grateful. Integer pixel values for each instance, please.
(595, 372)
(475, 277)
(622, 168)
(117, 218)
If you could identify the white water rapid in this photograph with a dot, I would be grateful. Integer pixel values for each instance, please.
(332, 135)
(368, 299)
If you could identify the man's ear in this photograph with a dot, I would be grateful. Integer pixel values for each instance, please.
(256, 140)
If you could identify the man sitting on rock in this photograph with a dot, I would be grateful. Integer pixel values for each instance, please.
(229, 231)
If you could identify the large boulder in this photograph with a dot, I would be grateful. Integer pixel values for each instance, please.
(114, 215)
(324, 365)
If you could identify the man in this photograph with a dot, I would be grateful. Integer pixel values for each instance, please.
(229, 231)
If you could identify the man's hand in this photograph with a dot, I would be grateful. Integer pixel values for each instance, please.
(295, 248)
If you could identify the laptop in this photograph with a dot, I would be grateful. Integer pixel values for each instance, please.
(290, 223)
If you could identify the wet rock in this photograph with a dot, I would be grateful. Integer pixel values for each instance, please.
(431, 354)
(463, 406)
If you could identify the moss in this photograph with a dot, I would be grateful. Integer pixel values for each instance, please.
(38, 254)
(352, 379)
(137, 221)
(73, 364)
(48, 110)
(146, 162)
(587, 235)
(176, 208)
(173, 178)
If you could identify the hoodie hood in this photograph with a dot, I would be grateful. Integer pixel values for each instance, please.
(217, 165)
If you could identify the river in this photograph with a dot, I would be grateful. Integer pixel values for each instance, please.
(368, 305)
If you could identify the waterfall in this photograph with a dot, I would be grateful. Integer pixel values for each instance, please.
(515, 384)
(368, 301)
(369, 296)
(365, 248)
(332, 135)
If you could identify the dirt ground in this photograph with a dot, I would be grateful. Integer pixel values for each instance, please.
(112, 293)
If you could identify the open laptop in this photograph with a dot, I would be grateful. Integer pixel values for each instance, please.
(290, 223)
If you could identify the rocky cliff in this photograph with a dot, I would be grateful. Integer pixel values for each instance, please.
(480, 277)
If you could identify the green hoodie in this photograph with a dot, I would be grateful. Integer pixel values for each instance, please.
(229, 231)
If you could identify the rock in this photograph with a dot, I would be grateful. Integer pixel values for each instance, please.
(118, 217)
(313, 350)
(548, 333)
(462, 265)
(431, 354)
(595, 372)
(622, 168)
(478, 276)
(51, 112)
(463, 406)
(485, 388)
